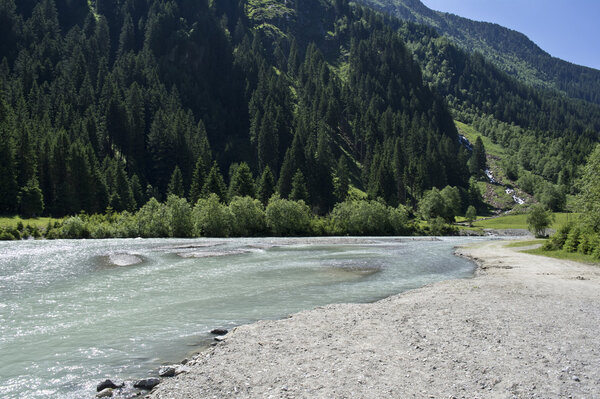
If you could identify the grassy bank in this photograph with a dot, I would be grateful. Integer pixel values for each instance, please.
(13, 221)
(520, 221)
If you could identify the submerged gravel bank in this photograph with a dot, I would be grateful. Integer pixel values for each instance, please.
(524, 327)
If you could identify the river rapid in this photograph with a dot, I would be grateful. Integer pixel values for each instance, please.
(74, 312)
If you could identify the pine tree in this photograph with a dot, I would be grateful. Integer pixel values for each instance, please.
(176, 184)
(266, 186)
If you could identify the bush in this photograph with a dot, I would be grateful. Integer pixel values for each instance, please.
(74, 227)
(249, 217)
(363, 217)
(7, 235)
(211, 218)
(573, 239)
(586, 243)
(287, 218)
(180, 217)
(557, 241)
(153, 220)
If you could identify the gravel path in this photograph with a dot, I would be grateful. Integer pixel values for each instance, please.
(524, 327)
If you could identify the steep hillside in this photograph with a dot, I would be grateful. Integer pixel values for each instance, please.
(127, 100)
(511, 51)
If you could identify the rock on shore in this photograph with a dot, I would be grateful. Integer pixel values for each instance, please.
(524, 327)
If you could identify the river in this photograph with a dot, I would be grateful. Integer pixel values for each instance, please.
(74, 312)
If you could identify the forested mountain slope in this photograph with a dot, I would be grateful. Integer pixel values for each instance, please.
(111, 105)
(108, 104)
(512, 51)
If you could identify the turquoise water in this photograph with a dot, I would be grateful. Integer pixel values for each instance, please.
(75, 312)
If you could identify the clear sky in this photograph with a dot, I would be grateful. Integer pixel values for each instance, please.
(567, 29)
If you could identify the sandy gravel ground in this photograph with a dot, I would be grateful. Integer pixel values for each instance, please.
(524, 327)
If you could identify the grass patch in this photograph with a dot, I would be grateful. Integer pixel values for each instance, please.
(574, 256)
(471, 134)
(520, 244)
(37, 222)
(520, 221)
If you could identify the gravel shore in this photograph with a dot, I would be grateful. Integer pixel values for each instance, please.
(523, 327)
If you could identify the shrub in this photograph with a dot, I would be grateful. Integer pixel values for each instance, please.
(74, 227)
(249, 217)
(557, 241)
(573, 240)
(153, 220)
(361, 217)
(287, 218)
(211, 218)
(180, 217)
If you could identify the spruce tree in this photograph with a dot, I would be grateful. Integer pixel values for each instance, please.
(299, 190)
(242, 182)
(198, 178)
(215, 184)
(176, 184)
(266, 186)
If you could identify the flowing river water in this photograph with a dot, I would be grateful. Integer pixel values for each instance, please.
(73, 312)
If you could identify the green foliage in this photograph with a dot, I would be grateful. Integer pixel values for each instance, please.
(242, 182)
(589, 186)
(445, 204)
(287, 218)
(266, 186)
(368, 218)
(180, 217)
(299, 191)
(557, 241)
(249, 217)
(212, 218)
(31, 199)
(153, 220)
(73, 227)
(539, 219)
(471, 215)
(215, 184)
(176, 187)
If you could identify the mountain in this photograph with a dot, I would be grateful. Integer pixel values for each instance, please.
(511, 51)
(112, 104)
(106, 105)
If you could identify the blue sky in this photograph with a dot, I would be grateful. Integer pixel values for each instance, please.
(567, 29)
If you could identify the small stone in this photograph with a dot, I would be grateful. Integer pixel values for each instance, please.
(184, 361)
(167, 371)
(147, 383)
(219, 338)
(575, 378)
(108, 384)
(105, 393)
(219, 331)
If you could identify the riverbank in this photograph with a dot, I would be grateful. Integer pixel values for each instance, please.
(524, 326)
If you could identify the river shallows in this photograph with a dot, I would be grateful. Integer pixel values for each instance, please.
(75, 312)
